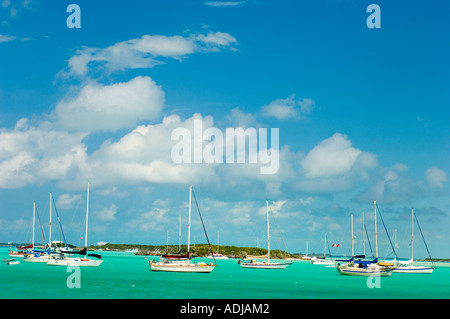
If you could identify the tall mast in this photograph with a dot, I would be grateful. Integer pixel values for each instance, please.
(268, 232)
(376, 233)
(34, 213)
(353, 251)
(412, 234)
(179, 233)
(217, 241)
(325, 247)
(167, 241)
(189, 221)
(50, 224)
(363, 237)
(87, 217)
(395, 241)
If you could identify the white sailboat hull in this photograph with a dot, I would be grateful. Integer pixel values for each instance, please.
(414, 270)
(262, 265)
(322, 262)
(370, 271)
(217, 257)
(265, 264)
(34, 259)
(181, 267)
(81, 262)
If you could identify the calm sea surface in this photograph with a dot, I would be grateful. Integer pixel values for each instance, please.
(125, 275)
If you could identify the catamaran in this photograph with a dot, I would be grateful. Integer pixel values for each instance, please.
(407, 267)
(63, 260)
(182, 263)
(265, 264)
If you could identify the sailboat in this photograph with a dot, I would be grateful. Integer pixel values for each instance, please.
(19, 252)
(42, 256)
(217, 255)
(36, 255)
(24, 251)
(407, 267)
(322, 261)
(181, 263)
(62, 260)
(357, 266)
(265, 264)
(306, 256)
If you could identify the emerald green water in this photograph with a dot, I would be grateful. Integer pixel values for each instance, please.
(125, 275)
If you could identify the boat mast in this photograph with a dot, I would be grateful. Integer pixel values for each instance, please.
(167, 241)
(268, 232)
(353, 251)
(189, 221)
(307, 248)
(412, 234)
(396, 243)
(179, 233)
(34, 213)
(50, 224)
(376, 233)
(87, 217)
(363, 238)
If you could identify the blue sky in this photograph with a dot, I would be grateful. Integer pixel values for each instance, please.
(362, 116)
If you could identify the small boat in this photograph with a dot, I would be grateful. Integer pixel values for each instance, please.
(15, 253)
(217, 255)
(265, 264)
(19, 252)
(11, 261)
(322, 261)
(306, 256)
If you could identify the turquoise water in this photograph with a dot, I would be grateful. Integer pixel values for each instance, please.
(125, 275)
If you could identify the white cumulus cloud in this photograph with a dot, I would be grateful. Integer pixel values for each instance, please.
(435, 177)
(334, 156)
(288, 109)
(111, 107)
(144, 52)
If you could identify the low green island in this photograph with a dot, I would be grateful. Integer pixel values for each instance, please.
(199, 250)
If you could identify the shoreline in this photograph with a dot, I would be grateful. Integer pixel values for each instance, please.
(202, 250)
